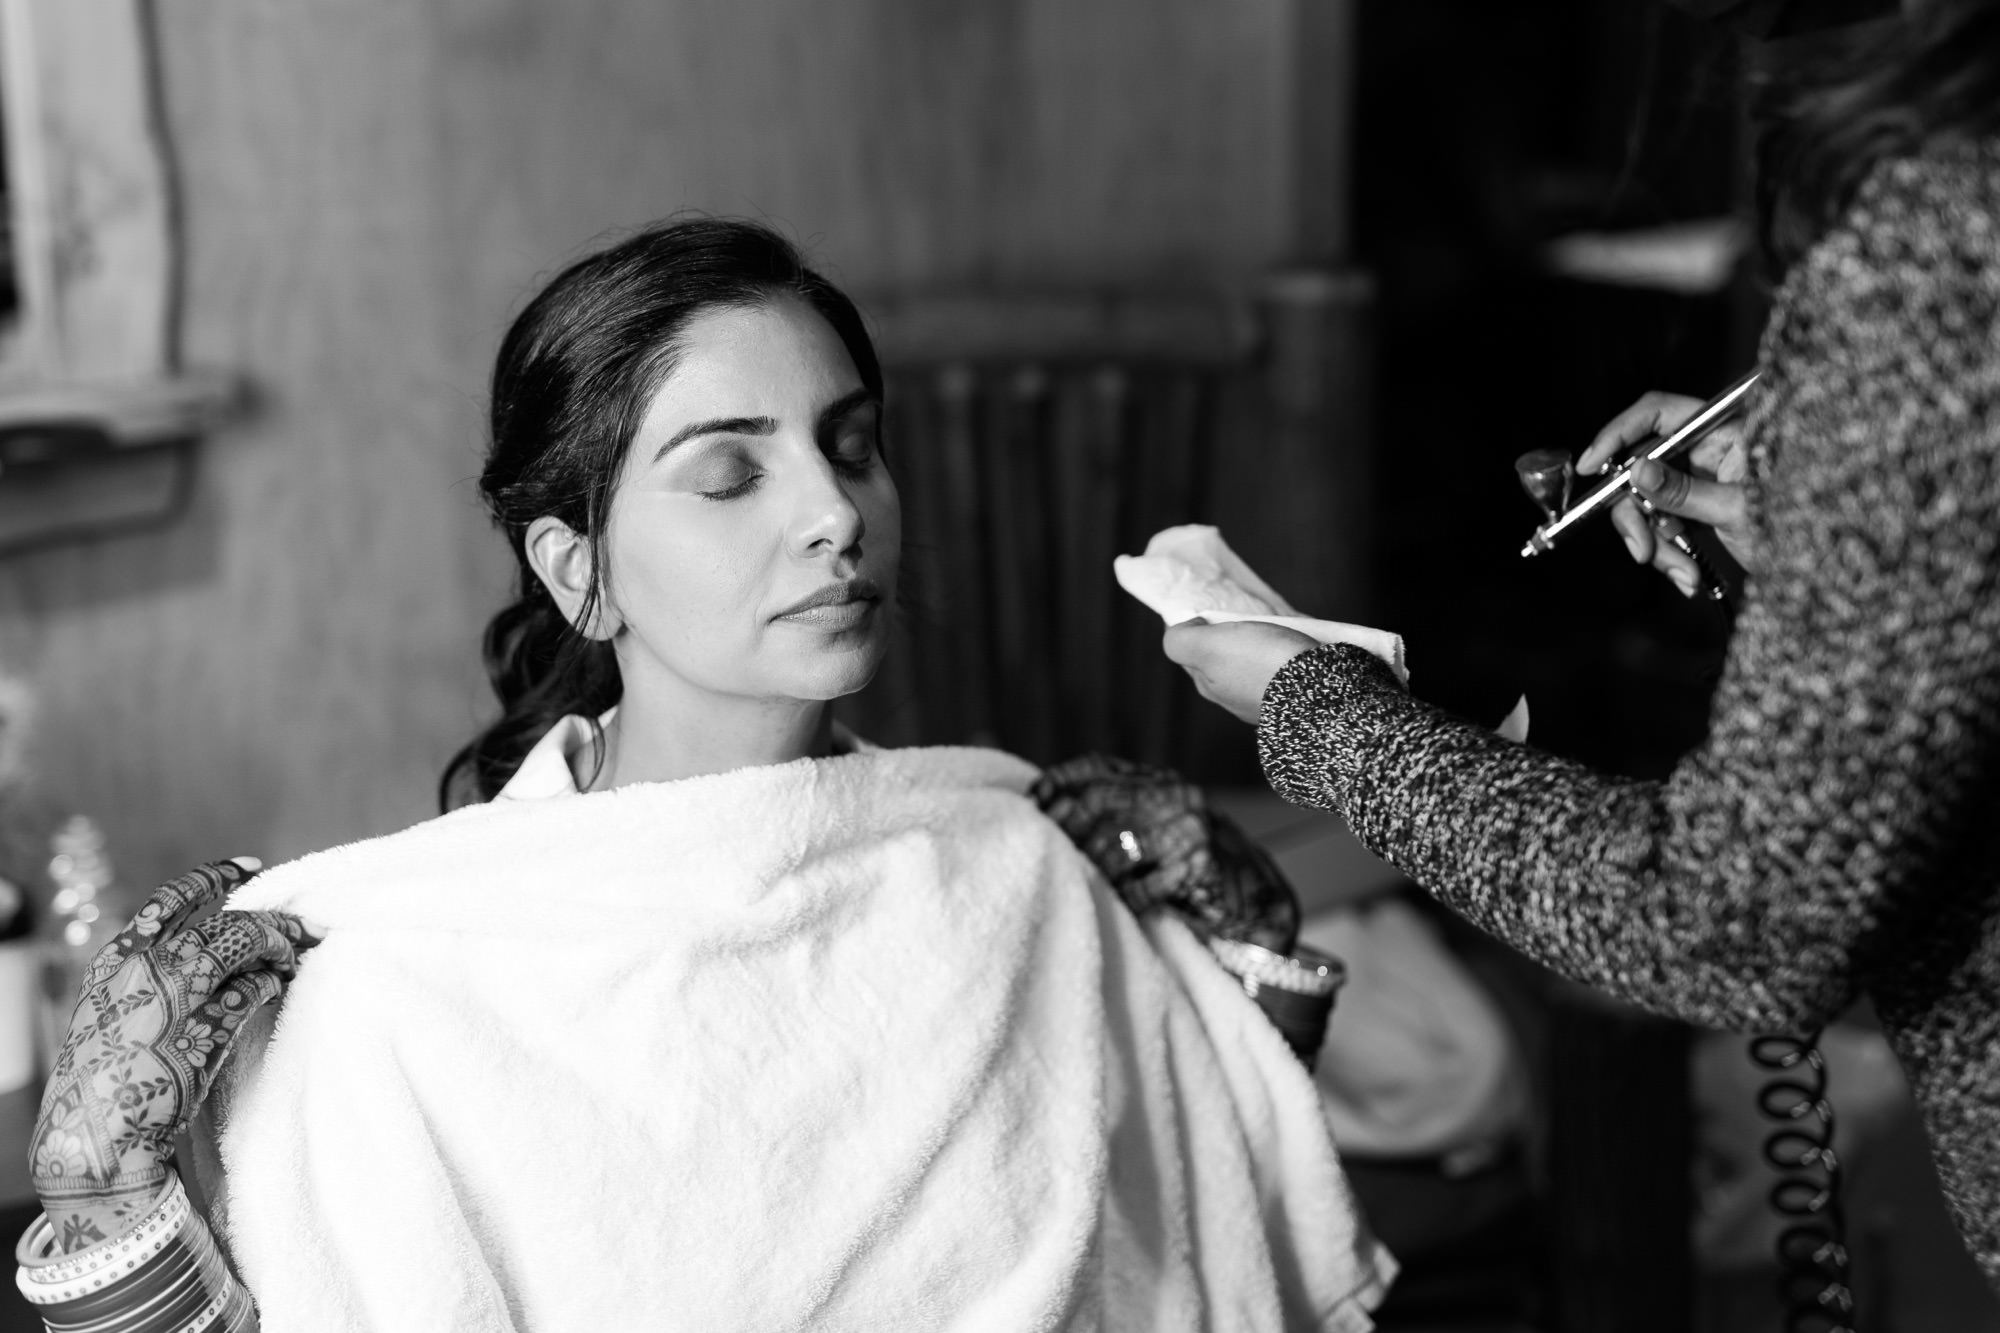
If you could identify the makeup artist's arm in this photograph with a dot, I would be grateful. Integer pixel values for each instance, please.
(1854, 748)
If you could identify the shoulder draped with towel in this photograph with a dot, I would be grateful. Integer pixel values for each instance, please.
(850, 1043)
(1838, 832)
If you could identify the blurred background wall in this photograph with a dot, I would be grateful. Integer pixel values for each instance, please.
(368, 189)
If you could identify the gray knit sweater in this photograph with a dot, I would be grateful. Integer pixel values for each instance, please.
(1838, 832)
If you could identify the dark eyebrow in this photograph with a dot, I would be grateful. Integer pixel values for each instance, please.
(849, 402)
(835, 410)
(719, 426)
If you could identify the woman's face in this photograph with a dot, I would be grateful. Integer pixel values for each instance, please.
(755, 531)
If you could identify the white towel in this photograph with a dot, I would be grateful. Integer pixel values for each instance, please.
(1190, 571)
(855, 1043)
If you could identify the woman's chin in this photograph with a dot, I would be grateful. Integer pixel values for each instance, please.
(836, 669)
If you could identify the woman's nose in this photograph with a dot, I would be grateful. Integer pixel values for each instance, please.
(827, 520)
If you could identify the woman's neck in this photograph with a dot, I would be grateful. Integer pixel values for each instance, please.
(655, 740)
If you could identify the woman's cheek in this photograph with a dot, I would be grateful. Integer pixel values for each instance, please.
(662, 585)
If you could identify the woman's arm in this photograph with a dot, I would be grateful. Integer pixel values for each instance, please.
(119, 1246)
(155, 1016)
(1850, 780)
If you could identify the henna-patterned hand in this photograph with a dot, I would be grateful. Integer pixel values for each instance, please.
(159, 1007)
(1154, 838)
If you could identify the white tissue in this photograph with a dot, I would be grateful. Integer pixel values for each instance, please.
(1190, 571)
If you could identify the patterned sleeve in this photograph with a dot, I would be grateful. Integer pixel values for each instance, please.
(1850, 782)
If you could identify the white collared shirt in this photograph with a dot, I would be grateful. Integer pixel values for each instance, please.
(550, 768)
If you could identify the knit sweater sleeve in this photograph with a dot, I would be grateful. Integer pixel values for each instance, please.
(1853, 753)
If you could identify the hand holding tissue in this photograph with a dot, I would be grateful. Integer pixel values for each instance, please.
(1190, 572)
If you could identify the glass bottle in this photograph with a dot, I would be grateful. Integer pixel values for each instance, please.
(79, 870)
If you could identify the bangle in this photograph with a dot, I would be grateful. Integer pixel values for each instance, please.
(163, 1275)
(1303, 972)
(47, 1275)
(1295, 991)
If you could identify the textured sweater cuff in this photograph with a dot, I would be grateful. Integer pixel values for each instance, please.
(1299, 733)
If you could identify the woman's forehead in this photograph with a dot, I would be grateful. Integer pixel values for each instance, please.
(781, 354)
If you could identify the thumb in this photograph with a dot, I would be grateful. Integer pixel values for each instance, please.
(1182, 642)
(1718, 504)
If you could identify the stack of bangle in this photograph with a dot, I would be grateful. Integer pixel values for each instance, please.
(1294, 990)
(164, 1274)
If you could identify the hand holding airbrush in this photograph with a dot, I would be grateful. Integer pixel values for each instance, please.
(1641, 494)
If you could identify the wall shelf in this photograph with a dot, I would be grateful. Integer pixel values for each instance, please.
(83, 460)
(97, 418)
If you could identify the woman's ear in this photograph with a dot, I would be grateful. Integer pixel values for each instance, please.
(563, 560)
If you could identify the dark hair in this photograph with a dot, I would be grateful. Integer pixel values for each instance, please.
(1932, 74)
(570, 387)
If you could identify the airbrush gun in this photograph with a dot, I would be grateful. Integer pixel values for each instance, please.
(1548, 475)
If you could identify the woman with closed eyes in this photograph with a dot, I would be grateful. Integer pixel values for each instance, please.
(698, 1011)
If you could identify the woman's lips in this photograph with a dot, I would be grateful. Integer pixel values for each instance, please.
(838, 615)
(846, 604)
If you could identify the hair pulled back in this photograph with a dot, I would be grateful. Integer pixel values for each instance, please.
(1936, 76)
(571, 385)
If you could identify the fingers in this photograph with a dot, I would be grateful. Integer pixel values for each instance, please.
(1654, 414)
(1190, 645)
(1721, 454)
(241, 940)
(1646, 540)
(1232, 663)
(241, 996)
(1636, 531)
(1182, 644)
(206, 956)
(189, 894)
(1676, 564)
(295, 930)
(170, 905)
(1718, 504)
(1193, 642)
(211, 1034)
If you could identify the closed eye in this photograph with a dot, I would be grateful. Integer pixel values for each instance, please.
(851, 431)
(857, 449)
(734, 490)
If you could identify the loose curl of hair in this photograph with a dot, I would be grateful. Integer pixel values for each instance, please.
(1933, 75)
(571, 384)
